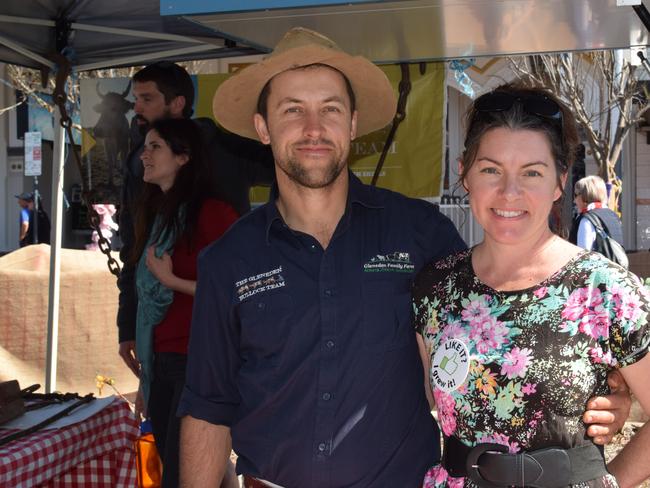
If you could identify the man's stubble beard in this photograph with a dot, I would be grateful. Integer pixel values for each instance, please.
(306, 178)
(144, 128)
(314, 179)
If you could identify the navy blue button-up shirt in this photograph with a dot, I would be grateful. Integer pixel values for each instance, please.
(309, 355)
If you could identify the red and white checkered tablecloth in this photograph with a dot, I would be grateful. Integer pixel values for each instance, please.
(97, 452)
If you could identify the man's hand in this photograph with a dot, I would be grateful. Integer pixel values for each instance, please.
(127, 353)
(607, 414)
(140, 407)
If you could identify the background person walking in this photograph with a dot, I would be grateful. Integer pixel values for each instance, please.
(34, 225)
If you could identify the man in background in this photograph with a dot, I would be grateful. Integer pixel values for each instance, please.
(162, 90)
(28, 225)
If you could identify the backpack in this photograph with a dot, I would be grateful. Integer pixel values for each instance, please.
(605, 244)
(43, 227)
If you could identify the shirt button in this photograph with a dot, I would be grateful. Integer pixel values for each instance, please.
(330, 344)
(312, 247)
(328, 293)
(322, 446)
(326, 396)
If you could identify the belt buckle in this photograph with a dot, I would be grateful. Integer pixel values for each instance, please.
(472, 466)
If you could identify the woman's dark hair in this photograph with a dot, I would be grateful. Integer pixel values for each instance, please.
(519, 107)
(194, 182)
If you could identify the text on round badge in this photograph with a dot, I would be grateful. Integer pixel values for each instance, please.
(450, 365)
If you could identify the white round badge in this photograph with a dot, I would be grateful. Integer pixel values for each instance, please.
(450, 365)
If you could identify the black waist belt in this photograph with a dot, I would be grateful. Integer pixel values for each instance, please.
(490, 465)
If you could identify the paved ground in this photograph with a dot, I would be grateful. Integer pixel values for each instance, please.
(620, 440)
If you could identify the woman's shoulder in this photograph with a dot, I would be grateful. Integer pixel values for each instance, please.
(213, 207)
(214, 203)
(583, 221)
(215, 218)
(597, 270)
(435, 271)
(452, 261)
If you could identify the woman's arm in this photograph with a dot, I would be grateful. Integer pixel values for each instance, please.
(586, 234)
(631, 465)
(162, 269)
(426, 364)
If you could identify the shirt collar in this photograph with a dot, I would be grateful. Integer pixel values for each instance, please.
(592, 206)
(362, 194)
(358, 193)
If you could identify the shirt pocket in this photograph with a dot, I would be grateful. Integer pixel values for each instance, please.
(265, 325)
(386, 312)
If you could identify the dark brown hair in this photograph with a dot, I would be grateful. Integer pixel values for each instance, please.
(171, 80)
(562, 134)
(194, 183)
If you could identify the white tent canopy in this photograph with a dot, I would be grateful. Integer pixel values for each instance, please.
(423, 30)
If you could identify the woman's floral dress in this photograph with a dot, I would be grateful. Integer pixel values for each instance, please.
(535, 356)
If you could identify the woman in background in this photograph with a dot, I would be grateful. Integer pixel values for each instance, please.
(590, 195)
(177, 216)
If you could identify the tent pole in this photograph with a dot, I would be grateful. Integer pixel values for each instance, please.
(163, 36)
(145, 58)
(58, 161)
(12, 19)
(19, 48)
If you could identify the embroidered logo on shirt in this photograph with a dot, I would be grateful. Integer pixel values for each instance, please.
(397, 262)
(258, 283)
(450, 365)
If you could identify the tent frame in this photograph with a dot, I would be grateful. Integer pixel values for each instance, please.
(62, 30)
(63, 27)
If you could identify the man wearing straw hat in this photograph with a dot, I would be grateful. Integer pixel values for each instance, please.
(301, 352)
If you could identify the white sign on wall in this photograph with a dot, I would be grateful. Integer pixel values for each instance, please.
(33, 154)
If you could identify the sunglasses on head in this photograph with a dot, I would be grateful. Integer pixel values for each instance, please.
(536, 104)
(533, 104)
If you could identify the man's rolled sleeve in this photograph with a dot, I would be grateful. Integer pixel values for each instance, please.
(24, 216)
(210, 391)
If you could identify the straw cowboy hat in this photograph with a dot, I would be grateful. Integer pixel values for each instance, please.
(235, 101)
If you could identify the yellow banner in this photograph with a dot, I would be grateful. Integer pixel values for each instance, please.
(413, 165)
(414, 162)
(206, 85)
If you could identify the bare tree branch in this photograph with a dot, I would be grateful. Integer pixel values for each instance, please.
(603, 92)
(11, 107)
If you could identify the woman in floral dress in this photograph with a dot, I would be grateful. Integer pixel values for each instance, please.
(517, 333)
